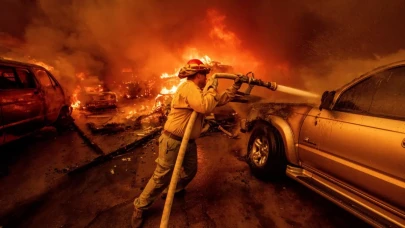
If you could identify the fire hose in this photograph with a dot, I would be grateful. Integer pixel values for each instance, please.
(251, 81)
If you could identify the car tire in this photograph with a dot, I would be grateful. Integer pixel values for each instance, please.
(64, 120)
(266, 155)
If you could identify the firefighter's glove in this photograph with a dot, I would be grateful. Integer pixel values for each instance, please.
(237, 83)
(212, 83)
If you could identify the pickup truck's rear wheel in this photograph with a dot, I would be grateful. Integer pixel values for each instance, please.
(266, 156)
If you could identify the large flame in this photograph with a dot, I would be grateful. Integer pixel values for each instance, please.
(222, 44)
(219, 31)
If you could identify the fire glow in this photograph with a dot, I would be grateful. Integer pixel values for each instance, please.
(191, 53)
(74, 102)
(169, 91)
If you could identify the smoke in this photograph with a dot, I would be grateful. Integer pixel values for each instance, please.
(307, 44)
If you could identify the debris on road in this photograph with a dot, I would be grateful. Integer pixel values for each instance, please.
(109, 128)
(227, 132)
(222, 121)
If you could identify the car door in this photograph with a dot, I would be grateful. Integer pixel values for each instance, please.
(362, 139)
(53, 94)
(21, 102)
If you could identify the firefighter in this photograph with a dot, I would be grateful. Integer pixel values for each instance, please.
(189, 97)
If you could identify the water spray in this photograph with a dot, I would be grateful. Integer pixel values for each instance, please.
(252, 81)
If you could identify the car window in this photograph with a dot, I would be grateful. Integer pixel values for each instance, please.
(389, 99)
(43, 78)
(26, 78)
(8, 79)
(53, 81)
(358, 98)
(381, 94)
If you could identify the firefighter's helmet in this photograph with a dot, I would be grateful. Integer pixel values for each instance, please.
(192, 67)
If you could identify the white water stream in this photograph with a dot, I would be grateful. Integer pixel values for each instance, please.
(298, 92)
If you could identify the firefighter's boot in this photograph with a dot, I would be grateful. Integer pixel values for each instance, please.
(137, 218)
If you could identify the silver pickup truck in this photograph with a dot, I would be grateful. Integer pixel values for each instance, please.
(350, 149)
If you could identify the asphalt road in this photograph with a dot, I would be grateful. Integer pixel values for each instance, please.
(37, 191)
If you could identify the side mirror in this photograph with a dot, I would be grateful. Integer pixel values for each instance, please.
(327, 99)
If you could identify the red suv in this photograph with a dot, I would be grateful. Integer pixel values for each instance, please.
(30, 98)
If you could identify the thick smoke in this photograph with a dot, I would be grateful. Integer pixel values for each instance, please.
(308, 44)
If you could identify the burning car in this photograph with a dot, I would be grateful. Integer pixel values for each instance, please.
(30, 98)
(93, 97)
(350, 149)
(138, 89)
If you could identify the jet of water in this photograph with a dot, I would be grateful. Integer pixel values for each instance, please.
(298, 92)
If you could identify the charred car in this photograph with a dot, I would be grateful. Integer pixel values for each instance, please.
(138, 89)
(94, 97)
(30, 98)
(350, 149)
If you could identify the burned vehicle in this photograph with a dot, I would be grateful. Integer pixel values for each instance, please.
(350, 149)
(138, 89)
(94, 97)
(30, 98)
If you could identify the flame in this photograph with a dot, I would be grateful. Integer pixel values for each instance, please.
(219, 30)
(75, 103)
(126, 70)
(174, 75)
(42, 64)
(193, 53)
(80, 76)
(190, 53)
(172, 90)
(206, 60)
(33, 61)
(169, 91)
(131, 114)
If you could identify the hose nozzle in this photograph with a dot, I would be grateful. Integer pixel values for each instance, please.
(271, 85)
(259, 82)
(248, 80)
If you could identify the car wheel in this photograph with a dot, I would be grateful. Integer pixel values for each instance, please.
(64, 120)
(266, 155)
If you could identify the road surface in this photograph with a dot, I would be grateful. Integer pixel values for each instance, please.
(37, 190)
